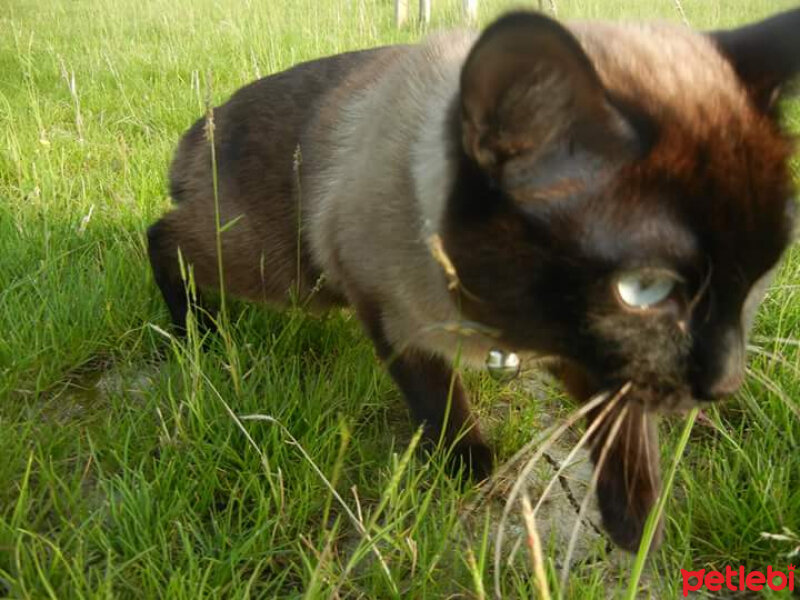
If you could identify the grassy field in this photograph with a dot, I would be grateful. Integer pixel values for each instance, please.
(125, 470)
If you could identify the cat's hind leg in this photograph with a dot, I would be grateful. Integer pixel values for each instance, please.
(163, 252)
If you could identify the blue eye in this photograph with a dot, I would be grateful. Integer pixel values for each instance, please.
(644, 289)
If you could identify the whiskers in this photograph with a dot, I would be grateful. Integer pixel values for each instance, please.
(609, 442)
(649, 460)
(542, 446)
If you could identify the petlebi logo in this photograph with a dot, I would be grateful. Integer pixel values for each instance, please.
(737, 580)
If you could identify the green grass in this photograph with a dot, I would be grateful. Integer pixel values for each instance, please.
(125, 470)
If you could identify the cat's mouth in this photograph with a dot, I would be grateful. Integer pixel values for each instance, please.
(678, 403)
(666, 400)
(626, 456)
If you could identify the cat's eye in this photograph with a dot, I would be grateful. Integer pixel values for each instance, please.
(646, 288)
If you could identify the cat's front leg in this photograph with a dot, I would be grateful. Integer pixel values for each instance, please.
(438, 400)
(435, 396)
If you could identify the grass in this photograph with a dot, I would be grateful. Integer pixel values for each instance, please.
(128, 469)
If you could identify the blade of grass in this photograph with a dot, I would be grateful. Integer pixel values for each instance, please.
(658, 509)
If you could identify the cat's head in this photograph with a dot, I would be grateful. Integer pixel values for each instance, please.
(623, 195)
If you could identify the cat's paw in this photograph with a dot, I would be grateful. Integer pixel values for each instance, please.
(474, 461)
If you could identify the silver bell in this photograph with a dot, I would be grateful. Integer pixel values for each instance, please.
(502, 365)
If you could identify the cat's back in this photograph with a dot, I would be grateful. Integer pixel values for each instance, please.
(363, 155)
(261, 124)
(257, 159)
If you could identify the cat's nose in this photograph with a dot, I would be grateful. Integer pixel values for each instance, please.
(718, 389)
(727, 386)
(728, 376)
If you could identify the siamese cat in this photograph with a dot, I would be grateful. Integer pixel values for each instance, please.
(611, 196)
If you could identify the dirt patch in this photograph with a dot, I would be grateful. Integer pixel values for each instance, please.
(89, 390)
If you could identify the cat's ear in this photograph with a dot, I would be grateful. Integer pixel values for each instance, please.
(765, 55)
(527, 86)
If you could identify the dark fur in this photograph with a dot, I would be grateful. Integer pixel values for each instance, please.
(434, 394)
(256, 137)
(713, 204)
(569, 169)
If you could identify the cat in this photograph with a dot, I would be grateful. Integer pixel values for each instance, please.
(614, 197)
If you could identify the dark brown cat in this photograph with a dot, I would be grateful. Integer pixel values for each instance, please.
(610, 196)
